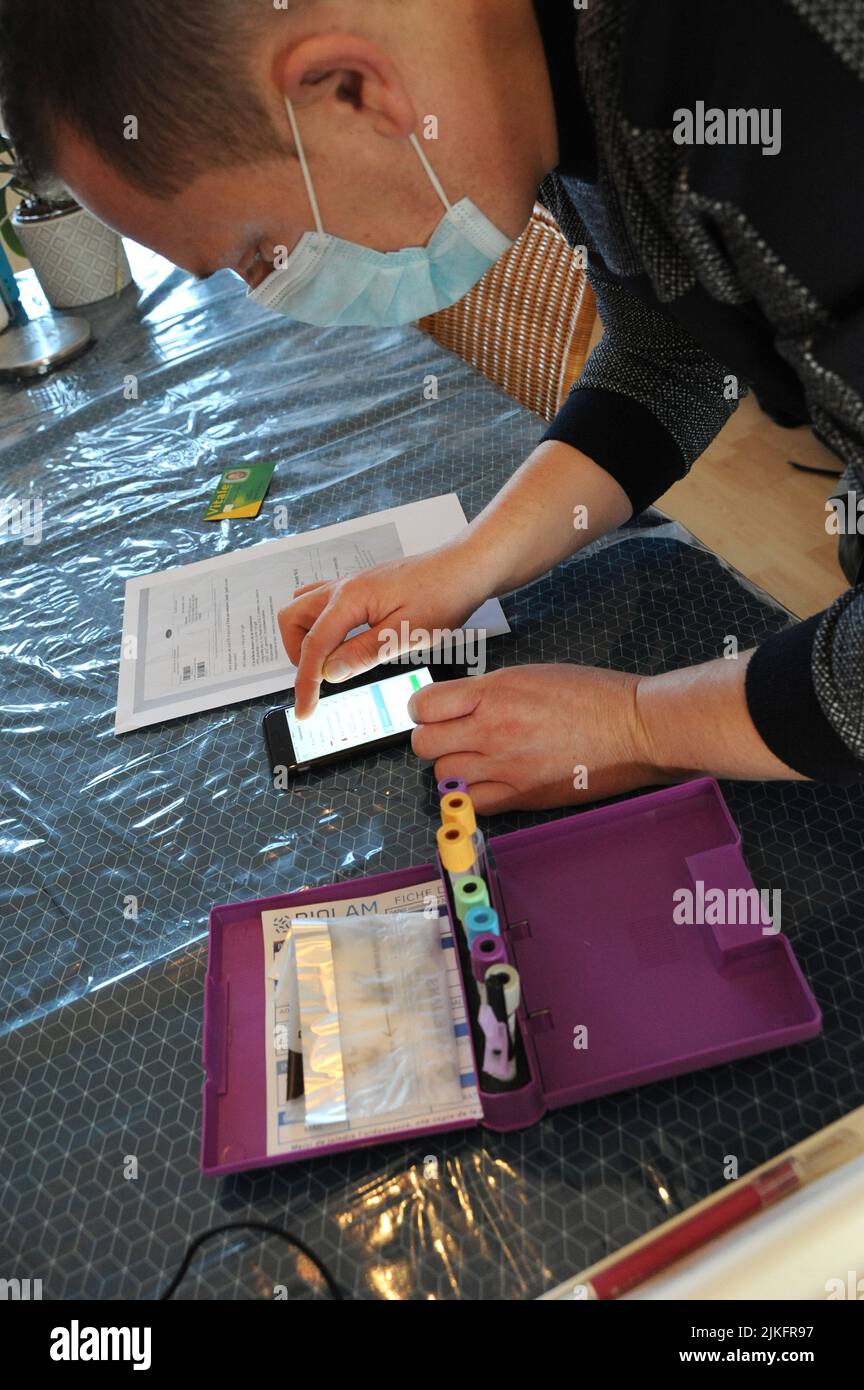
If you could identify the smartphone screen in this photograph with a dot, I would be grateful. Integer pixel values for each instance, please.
(351, 718)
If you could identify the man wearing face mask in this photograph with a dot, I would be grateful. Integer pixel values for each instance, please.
(329, 281)
(281, 140)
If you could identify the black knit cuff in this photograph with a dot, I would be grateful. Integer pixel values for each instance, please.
(624, 438)
(786, 712)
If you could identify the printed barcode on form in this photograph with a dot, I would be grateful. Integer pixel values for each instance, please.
(201, 668)
(187, 673)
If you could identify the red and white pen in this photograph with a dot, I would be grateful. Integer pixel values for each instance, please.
(714, 1218)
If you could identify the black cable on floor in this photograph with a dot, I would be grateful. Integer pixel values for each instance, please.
(812, 468)
(265, 1228)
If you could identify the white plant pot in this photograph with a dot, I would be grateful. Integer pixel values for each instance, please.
(77, 259)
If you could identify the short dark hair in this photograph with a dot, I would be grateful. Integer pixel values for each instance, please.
(175, 65)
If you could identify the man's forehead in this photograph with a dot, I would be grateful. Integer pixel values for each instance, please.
(160, 223)
(99, 186)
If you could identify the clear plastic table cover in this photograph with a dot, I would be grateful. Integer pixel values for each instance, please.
(100, 1062)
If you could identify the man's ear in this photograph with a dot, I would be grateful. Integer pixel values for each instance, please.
(349, 69)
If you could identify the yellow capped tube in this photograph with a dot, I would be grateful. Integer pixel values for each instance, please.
(457, 853)
(456, 849)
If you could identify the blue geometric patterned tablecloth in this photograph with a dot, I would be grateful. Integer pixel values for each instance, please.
(100, 1057)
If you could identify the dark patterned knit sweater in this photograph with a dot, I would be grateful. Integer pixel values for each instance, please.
(717, 267)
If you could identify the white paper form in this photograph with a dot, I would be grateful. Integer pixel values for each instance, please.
(287, 1131)
(206, 635)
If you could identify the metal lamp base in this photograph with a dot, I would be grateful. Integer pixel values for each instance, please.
(41, 346)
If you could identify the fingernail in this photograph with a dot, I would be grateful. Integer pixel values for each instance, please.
(335, 671)
(411, 714)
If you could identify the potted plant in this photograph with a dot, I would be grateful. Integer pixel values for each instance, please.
(77, 259)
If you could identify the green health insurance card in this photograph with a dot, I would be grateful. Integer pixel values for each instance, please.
(240, 492)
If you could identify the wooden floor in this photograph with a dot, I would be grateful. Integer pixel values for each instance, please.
(744, 501)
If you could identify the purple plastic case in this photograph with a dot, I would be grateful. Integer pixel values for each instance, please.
(585, 905)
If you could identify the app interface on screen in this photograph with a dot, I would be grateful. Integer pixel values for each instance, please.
(354, 717)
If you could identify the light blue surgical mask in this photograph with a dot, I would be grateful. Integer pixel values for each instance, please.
(328, 281)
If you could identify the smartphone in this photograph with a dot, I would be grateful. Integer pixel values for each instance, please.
(362, 718)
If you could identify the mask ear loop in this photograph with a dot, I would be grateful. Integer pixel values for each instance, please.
(307, 177)
(430, 172)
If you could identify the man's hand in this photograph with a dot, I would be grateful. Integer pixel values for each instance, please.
(556, 502)
(529, 736)
(436, 590)
(533, 737)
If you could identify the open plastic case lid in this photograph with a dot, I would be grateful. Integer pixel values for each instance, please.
(619, 988)
(615, 991)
